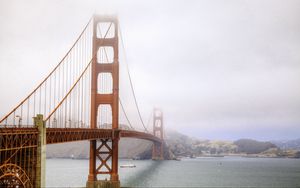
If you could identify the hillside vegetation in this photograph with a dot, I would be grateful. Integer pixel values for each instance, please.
(250, 146)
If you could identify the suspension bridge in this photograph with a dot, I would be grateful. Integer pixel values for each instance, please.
(79, 100)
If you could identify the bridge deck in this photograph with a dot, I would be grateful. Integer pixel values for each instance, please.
(26, 137)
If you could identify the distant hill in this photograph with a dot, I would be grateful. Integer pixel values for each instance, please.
(180, 145)
(250, 146)
(288, 144)
(128, 148)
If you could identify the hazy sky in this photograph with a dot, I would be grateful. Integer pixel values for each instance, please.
(222, 69)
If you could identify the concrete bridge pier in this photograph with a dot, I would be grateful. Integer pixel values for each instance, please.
(103, 184)
(41, 151)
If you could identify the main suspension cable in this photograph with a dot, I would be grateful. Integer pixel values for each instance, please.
(131, 84)
(122, 107)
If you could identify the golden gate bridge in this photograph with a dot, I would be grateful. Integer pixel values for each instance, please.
(78, 100)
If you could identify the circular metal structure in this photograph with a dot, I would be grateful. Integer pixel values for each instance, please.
(12, 175)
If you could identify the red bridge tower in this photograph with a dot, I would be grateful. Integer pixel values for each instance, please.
(105, 151)
(158, 130)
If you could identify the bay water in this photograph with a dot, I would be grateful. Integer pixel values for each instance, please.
(199, 172)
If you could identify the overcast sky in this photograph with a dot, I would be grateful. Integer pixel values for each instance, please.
(219, 69)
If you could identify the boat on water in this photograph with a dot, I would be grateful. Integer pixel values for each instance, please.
(128, 166)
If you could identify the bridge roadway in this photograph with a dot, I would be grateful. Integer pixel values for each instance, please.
(27, 137)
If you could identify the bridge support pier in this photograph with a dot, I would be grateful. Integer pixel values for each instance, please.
(41, 152)
(103, 184)
(106, 152)
(157, 151)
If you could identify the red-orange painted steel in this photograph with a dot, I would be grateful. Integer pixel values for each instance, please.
(18, 154)
(110, 99)
(158, 131)
(18, 146)
(17, 137)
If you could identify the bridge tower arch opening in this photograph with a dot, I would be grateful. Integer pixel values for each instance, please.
(158, 131)
(104, 152)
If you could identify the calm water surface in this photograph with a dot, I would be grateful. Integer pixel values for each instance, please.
(202, 172)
